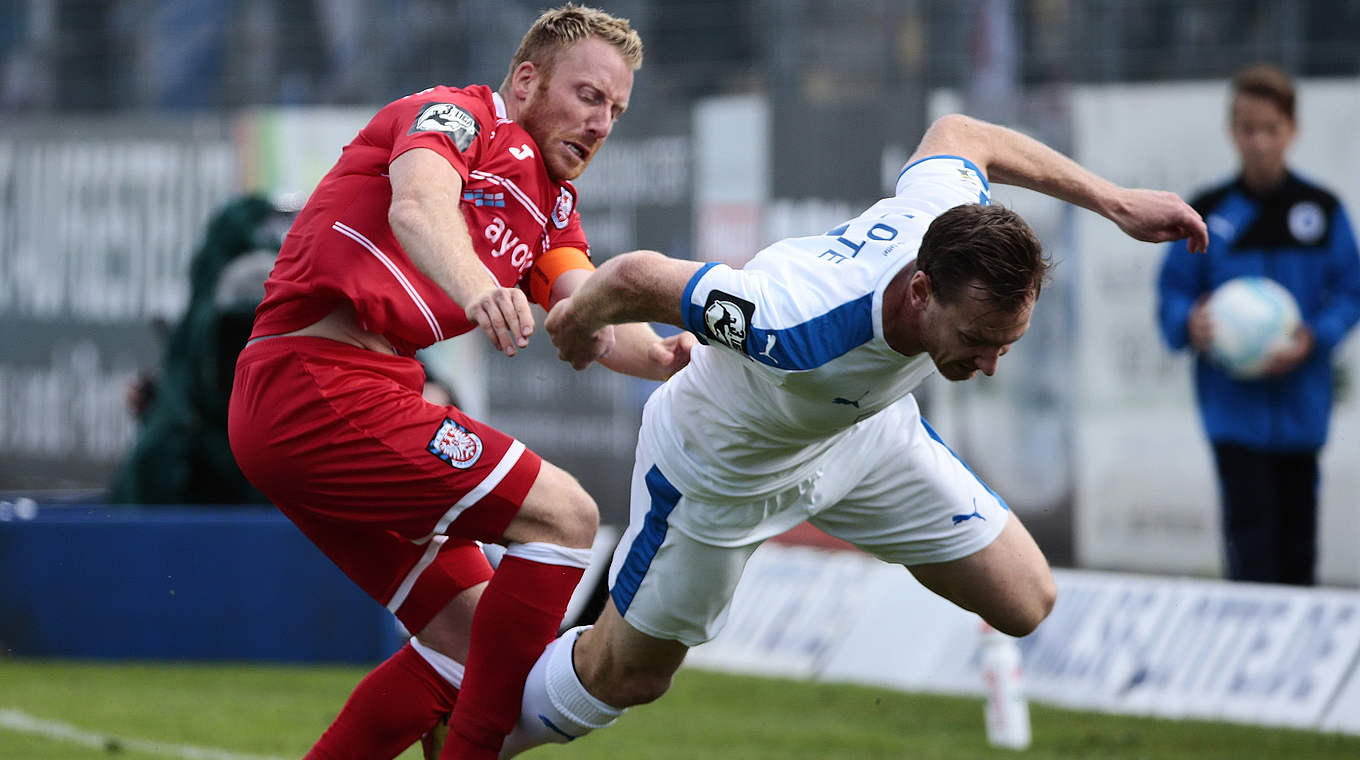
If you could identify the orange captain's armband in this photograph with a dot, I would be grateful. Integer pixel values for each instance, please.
(548, 267)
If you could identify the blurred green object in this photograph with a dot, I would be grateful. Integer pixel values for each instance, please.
(181, 455)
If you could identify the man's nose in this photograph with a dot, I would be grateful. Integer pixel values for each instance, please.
(986, 362)
(600, 123)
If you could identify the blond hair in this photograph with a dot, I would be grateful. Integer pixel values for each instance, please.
(560, 28)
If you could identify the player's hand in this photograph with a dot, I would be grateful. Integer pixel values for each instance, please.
(504, 315)
(1289, 356)
(1157, 216)
(672, 353)
(577, 342)
(1200, 327)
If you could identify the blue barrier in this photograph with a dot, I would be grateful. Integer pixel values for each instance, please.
(210, 583)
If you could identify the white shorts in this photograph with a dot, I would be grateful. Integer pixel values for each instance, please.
(891, 487)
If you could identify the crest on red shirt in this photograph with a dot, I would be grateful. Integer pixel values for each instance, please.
(456, 445)
(562, 211)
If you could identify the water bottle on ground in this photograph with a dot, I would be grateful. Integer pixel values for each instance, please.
(1007, 711)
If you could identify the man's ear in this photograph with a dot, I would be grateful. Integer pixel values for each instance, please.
(919, 289)
(524, 81)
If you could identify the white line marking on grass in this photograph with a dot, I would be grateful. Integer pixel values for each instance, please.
(18, 720)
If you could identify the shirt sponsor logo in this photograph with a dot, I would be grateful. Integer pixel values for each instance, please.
(727, 319)
(458, 124)
(503, 240)
(562, 211)
(456, 445)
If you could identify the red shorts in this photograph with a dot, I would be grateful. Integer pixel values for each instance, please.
(392, 488)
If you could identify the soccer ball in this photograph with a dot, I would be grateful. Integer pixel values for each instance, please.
(1251, 317)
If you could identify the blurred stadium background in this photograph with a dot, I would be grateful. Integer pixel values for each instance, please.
(125, 123)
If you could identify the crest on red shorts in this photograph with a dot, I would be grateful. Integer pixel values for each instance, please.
(456, 445)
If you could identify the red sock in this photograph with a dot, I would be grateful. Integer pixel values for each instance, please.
(516, 618)
(388, 711)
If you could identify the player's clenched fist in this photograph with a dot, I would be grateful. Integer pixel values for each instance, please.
(503, 314)
(578, 341)
(671, 353)
(1156, 216)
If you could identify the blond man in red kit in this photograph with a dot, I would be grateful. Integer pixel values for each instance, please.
(451, 210)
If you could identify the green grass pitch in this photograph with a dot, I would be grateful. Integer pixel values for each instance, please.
(146, 711)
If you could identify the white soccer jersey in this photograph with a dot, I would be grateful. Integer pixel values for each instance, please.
(795, 351)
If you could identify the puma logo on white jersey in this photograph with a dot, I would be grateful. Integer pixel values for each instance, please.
(769, 346)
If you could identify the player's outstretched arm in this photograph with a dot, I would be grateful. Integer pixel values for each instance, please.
(642, 286)
(424, 216)
(1011, 158)
(640, 352)
(632, 348)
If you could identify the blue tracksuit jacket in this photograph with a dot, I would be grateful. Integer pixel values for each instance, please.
(1298, 236)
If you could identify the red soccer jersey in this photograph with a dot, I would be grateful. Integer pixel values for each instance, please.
(341, 247)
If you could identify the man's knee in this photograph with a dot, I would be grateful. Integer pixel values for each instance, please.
(582, 518)
(557, 510)
(646, 687)
(1008, 583)
(626, 687)
(623, 667)
(573, 515)
(1024, 612)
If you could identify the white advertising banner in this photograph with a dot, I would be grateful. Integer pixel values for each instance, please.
(1169, 647)
(1344, 715)
(1248, 653)
(794, 608)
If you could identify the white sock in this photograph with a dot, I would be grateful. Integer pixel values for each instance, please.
(549, 554)
(556, 707)
(446, 666)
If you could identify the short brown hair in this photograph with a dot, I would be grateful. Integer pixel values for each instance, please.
(990, 246)
(560, 28)
(1264, 80)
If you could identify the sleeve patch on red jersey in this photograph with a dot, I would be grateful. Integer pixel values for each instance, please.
(457, 123)
(456, 445)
